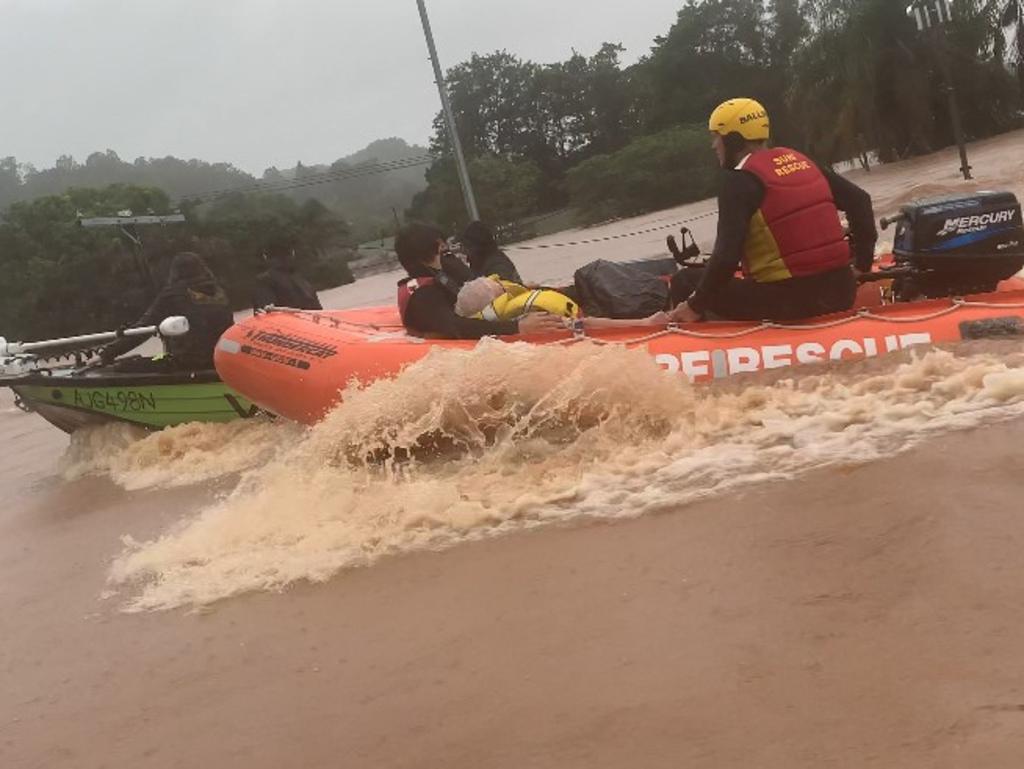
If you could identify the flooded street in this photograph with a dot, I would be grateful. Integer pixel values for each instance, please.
(604, 567)
(869, 613)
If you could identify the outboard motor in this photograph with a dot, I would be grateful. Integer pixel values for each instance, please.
(957, 245)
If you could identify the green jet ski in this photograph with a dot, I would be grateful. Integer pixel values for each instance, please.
(72, 395)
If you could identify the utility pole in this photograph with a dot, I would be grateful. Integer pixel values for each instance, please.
(460, 160)
(930, 15)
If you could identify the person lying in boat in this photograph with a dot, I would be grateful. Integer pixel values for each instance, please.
(778, 218)
(193, 291)
(485, 258)
(426, 298)
(281, 284)
(492, 298)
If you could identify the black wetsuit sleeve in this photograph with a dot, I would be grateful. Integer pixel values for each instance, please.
(740, 197)
(500, 264)
(151, 317)
(495, 262)
(860, 215)
(430, 312)
(263, 293)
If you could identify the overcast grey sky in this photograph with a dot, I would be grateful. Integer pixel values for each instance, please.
(264, 82)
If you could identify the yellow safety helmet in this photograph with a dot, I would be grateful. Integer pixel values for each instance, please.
(746, 117)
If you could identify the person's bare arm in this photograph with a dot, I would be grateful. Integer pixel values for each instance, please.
(657, 319)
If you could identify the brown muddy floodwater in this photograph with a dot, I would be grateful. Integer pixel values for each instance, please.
(580, 562)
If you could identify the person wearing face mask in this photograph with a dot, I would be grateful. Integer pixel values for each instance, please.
(778, 221)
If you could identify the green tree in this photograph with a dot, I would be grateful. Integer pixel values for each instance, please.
(235, 233)
(715, 49)
(506, 190)
(490, 97)
(1011, 19)
(60, 278)
(657, 171)
(869, 79)
(551, 116)
(10, 182)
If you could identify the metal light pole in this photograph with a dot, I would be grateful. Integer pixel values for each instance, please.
(929, 15)
(460, 160)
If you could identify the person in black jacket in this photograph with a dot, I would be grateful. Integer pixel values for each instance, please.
(194, 292)
(485, 258)
(280, 284)
(426, 298)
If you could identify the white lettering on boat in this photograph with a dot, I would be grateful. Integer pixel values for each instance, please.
(964, 224)
(699, 364)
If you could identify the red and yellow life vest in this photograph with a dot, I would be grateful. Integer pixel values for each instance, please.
(406, 288)
(796, 232)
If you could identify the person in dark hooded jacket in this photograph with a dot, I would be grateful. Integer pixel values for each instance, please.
(192, 291)
(485, 258)
(281, 284)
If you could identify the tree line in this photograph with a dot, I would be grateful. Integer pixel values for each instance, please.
(61, 278)
(842, 79)
(367, 201)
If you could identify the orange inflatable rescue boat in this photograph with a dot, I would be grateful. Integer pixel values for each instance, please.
(949, 280)
(296, 362)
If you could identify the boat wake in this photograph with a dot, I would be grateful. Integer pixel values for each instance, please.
(471, 444)
(188, 454)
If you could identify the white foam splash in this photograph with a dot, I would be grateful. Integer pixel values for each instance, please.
(469, 444)
(187, 454)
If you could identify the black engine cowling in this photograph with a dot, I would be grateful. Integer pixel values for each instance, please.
(957, 245)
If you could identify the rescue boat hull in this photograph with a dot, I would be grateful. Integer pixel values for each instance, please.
(72, 399)
(296, 363)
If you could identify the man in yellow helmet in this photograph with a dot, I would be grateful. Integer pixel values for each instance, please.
(778, 220)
